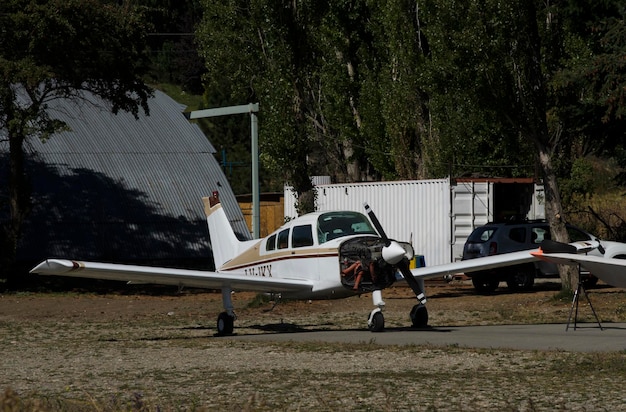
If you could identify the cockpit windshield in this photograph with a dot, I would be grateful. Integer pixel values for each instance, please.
(332, 225)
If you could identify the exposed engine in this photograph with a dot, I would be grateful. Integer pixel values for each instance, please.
(362, 265)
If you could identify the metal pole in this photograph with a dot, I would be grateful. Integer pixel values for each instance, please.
(256, 196)
(251, 108)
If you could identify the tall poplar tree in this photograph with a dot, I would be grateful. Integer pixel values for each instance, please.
(337, 84)
(507, 65)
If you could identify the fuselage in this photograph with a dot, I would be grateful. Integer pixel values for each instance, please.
(308, 247)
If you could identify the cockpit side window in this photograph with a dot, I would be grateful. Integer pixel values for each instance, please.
(302, 236)
(270, 243)
(333, 225)
(283, 239)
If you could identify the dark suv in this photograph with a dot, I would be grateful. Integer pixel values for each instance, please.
(497, 238)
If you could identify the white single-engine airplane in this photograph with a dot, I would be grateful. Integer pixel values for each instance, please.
(322, 255)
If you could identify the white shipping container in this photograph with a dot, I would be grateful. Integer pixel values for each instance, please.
(472, 206)
(436, 216)
(416, 211)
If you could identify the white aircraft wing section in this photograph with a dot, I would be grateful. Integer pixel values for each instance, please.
(473, 265)
(168, 276)
(611, 271)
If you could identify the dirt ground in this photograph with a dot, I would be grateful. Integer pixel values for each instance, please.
(157, 351)
(449, 304)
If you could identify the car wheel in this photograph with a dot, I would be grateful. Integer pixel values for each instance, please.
(521, 278)
(485, 283)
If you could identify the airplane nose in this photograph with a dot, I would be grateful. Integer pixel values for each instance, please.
(393, 253)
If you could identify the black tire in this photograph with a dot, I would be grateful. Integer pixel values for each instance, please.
(419, 316)
(225, 324)
(378, 322)
(521, 277)
(485, 283)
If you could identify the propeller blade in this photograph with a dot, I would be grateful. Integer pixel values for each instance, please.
(403, 266)
(394, 254)
(377, 225)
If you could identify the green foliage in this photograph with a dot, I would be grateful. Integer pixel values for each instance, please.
(250, 58)
(398, 93)
(581, 179)
(173, 55)
(609, 68)
(230, 135)
(399, 89)
(601, 70)
(54, 49)
(472, 104)
(337, 83)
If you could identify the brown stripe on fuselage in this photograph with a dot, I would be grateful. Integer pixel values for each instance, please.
(251, 257)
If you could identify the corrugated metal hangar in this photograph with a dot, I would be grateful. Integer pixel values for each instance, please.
(118, 189)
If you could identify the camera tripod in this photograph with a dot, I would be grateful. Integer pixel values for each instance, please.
(580, 289)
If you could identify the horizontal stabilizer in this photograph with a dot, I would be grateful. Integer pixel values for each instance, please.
(610, 270)
(551, 246)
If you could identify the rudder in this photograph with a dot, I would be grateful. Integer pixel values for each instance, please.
(224, 243)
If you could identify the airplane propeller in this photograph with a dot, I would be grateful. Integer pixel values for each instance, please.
(394, 254)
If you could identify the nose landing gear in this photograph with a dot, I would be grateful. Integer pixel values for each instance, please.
(376, 320)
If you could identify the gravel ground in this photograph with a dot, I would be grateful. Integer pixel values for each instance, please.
(145, 352)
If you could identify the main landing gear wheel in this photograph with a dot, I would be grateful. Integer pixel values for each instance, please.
(376, 322)
(419, 316)
(225, 324)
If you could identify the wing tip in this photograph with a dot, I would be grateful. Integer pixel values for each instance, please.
(55, 267)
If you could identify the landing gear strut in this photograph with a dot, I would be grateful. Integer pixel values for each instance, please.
(226, 320)
(419, 313)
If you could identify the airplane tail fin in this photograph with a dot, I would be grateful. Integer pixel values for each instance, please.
(224, 243)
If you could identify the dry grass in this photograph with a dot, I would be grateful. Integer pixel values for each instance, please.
(604, 215)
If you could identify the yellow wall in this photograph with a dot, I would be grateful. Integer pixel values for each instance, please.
(272, 215)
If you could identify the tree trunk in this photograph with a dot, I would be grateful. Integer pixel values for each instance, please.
(18, 201)
(353, 168)
(569, 274)
(532, 101)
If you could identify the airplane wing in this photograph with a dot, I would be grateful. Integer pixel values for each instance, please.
(611, 271)
(473, 265)
(168, 276)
